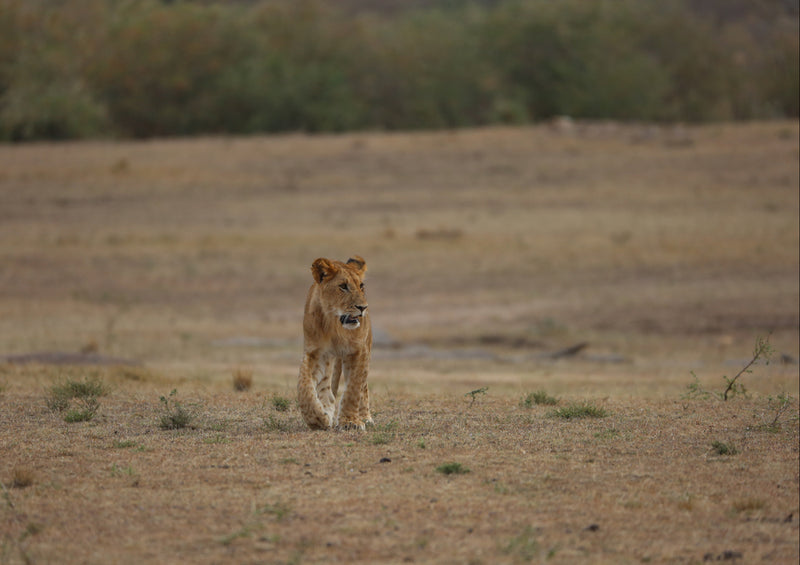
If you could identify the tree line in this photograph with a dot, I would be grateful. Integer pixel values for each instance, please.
(144, 68)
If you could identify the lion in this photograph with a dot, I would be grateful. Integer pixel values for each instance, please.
(336, 348)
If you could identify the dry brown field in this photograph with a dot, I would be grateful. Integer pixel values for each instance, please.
(658, 254)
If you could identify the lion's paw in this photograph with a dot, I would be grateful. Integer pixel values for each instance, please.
(351, 425)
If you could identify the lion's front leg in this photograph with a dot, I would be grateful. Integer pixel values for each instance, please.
(312, 371)
(353, 384)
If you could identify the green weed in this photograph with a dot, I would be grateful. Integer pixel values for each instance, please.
(452, 469)
(83, 414)
(610, 433)
(775, 416)
(473, 394)
(575, 411)
(761, 351)
(77, 400)
(117, 471)
(278, 510)
(274, 424)
(539, 398)
(281, 403)
(174, 414)
(524, 545)
(721, 448)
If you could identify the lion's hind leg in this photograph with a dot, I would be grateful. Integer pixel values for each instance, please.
(363, 405)
(327, 385)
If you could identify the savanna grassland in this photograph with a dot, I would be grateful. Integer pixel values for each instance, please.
(611, 266)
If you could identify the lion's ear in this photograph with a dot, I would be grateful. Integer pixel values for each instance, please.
(359, 263)
(322, 268)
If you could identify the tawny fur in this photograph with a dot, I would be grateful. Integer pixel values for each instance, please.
(337, 346)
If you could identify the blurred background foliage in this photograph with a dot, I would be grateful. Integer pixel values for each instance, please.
(143, 68)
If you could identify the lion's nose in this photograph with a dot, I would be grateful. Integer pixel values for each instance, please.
(362, 308)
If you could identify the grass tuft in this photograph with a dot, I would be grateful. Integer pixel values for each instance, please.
(281, 403)
(242, 379)
(175, 415)
(77, 400)
(22, 478)
(749, 504)
(539, 398)
(578, 410)
(452, 469)
(721, 448)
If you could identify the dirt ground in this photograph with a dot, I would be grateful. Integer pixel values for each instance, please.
(606, 264)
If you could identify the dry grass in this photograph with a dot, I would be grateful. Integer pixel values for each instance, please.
(233, 489)
(242, 379)
(492, 254)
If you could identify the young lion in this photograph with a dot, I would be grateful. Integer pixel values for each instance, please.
(337, 341)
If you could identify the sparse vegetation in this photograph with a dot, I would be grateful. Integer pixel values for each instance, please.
(125, 444)
(281, 403)
(119, 471)
(275, 424)
(76, 400)
(278, 510)
(383, 433)
(174, 415)
(525, 545)
(539, 398)
(776, 413)
(761, 352)
(721, 448)
(577, 410)
(473, 394)
(452, 469)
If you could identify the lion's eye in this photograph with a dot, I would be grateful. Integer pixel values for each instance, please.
(362, 286)
(344, 287)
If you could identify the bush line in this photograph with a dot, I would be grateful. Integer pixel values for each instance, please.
(96, 68)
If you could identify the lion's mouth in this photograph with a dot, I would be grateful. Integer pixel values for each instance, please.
(350, 322)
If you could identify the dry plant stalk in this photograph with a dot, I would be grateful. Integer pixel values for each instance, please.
(242, 379)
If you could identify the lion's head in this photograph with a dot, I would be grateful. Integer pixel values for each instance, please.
(341, 289)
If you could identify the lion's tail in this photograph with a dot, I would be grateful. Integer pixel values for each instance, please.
(310, 406)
